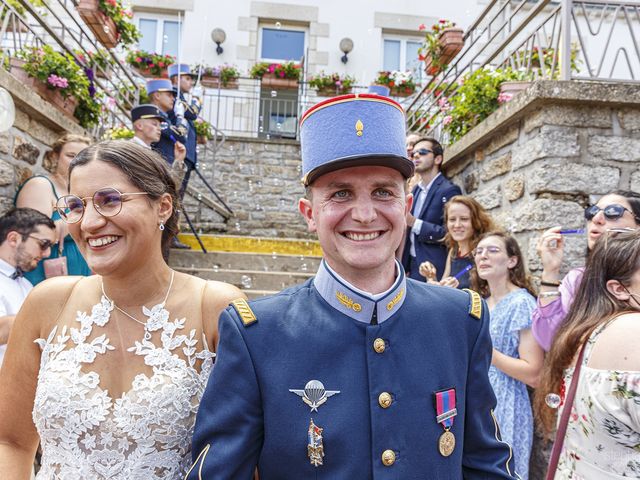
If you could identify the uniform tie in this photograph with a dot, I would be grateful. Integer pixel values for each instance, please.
(17, 274)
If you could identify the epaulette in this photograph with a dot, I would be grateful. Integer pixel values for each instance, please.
(244, 311)
(475, 303)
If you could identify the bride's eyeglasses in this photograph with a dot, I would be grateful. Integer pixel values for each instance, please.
(106, 201)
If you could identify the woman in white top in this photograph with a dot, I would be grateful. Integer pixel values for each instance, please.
(602, 440)
(107, 371)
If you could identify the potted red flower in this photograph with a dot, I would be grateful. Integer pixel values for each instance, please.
(277, 75)
(442, 43)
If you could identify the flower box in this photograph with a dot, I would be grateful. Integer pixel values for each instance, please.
(510, 89)
(147, 73)
(332, 91)
(66, 105)
(271, 81)
(451, 41)
(101, 25)
(201, 140)
(401, 92)
(211, 81)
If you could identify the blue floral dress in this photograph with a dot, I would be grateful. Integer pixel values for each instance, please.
(513, 410)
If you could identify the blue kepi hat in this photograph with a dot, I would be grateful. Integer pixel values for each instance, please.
(159, 85)
(353, 130)
(379, 90)
(172, 70)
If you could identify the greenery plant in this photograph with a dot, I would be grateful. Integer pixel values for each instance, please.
(226, 73)
(128, 34)
(154, 62)
(431, 46)
(333, 82)
(203, 128)
(287, 70)
(118, 133)
(399, 81)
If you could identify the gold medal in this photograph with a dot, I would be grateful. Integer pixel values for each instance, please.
(446, 443)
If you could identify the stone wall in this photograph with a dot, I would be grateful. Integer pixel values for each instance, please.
(541, 158)
(22, 147)
(260, 180)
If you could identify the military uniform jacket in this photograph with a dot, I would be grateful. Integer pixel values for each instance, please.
(320, 331)
(169, 136)
(191, 113)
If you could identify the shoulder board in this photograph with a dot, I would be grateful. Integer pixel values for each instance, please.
(475, 303)
(244, 310)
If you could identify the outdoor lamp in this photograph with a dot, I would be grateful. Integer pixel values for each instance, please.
(218, 36)
(346, 45)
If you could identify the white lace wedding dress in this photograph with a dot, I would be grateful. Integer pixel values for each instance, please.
(144, 434)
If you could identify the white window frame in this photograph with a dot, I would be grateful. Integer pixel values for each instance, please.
(160, 18)
(271, 25)
(403, 51)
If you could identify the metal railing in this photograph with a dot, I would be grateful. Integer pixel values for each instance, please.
(56, 23)
(529, 38)
(251, 109)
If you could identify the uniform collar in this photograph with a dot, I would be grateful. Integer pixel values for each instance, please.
(356, 303)
(139, 141)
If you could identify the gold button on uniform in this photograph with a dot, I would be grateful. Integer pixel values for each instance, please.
(385, 400)
(378, 345)
(388, 458)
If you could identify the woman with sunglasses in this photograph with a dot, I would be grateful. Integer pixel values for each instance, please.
(620, 209)
(597, 347)
(41, 192)
(107, 371)
(501, 277)
(466, 221)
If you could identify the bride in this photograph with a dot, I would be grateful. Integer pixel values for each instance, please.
(107, 371)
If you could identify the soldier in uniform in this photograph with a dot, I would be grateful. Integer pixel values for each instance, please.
(186, 112)
(148, 122)
(172, 139)
(359, 373)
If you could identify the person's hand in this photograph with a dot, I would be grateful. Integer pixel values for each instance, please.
(449, 282)
(179, 154)
(62, 230)
(428, 270)
(197, 91)
(550, 248)
(410, 220)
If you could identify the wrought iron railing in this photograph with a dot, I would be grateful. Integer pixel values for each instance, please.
(527, 36)
(56, 23)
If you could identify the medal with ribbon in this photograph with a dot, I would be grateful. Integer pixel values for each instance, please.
(446, 411)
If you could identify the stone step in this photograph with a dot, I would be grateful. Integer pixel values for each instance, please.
(250, 279)
(244, 261)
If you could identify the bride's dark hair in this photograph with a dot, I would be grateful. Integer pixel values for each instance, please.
(615, 256)
(144, 168)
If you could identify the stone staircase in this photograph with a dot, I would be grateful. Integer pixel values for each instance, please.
(256, 273)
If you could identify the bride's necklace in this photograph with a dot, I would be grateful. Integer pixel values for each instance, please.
(147, 333)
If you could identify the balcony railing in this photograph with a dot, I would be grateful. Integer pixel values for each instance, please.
(595, 40)
(56, 23)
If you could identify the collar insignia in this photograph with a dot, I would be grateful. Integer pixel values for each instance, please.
(348, 302)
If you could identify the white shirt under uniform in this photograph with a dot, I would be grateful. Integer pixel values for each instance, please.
(13, 291)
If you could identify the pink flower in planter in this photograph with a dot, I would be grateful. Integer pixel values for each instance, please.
(272, 68)
(56, 81)
(504, 97)
(422, 26)
(447, 120)
(281, 74)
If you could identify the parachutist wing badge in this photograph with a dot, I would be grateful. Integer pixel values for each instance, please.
(314, 394)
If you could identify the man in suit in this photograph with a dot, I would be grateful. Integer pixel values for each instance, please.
(359, 373)
(425, 221)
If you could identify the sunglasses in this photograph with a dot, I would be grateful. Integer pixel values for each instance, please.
(491, 250)
(106, 201)
(422, 151)
(611, 212)
(43, 243)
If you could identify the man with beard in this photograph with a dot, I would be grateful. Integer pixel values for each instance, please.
(26, 237)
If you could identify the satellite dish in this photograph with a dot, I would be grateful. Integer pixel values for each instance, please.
(7, 110)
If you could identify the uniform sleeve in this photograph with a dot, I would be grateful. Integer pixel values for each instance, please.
(485, 455)
(434, 232)
(228, 433)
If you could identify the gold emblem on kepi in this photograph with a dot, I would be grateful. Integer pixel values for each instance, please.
(315, 449)
(359, 128)
(314, 394)
(446, 443)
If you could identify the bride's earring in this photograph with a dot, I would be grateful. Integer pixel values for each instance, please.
(161, 226)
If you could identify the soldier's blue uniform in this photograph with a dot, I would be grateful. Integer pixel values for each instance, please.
(171, 133)
(191, 112)
(325, 381)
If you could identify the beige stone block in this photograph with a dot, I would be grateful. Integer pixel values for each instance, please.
(570, 177)
(401, 22)
(22, 121)
(635, 181)
(547, 144)
(246, 52)
(284, 12)
(253, 38)
(248, 24)
(543, 213)
(625, 149)
(319, 29)
(514, 187)
(319, 58)
(25, 151)
(470, 182)
(569, 115)
(162, 5)
(502, 139)
(629, 119)
(495, 167)
(489, 197)
(7, 176)
(5, 142)
(6, 204)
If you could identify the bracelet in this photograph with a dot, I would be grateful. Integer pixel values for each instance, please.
(549, 284)
(549, 294)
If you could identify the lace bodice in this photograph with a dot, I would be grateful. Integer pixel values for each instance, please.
(144, 434)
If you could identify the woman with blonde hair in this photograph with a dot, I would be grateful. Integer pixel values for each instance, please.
(592, 371)
(106, 372)
(41, 192)
(466, 221)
